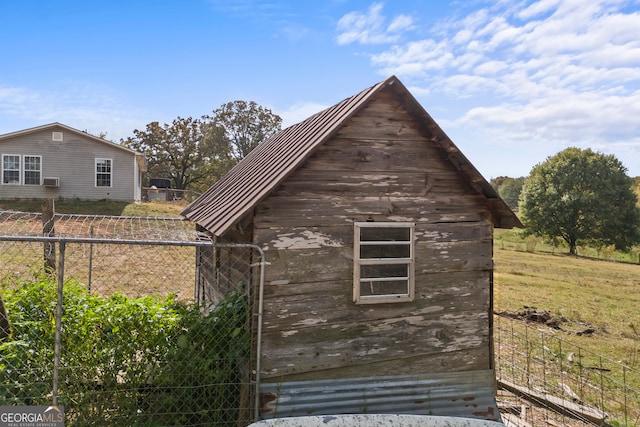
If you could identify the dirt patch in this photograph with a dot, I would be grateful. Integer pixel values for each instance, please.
(545, 317)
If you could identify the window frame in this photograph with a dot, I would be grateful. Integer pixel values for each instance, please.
(359, 262)
(25, 170)
(19, 170)
(97, 172)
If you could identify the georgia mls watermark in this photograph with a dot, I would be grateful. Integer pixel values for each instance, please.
(31, 416)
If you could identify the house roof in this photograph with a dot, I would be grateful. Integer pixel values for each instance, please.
(269, 164)
(139, 156)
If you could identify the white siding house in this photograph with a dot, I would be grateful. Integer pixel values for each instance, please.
(57, 161)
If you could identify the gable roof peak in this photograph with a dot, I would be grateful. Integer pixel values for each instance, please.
(271, 162)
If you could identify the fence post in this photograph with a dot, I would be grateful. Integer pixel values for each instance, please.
(58, 331)
(90, 258)
(48, 230)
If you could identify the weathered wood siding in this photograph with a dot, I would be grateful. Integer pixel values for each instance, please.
(380, 166)
(73, 161)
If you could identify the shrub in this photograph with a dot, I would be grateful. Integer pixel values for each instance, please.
(124, 360)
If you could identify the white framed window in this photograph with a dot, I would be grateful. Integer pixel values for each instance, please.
(11, 169)
(383, 262)
(104, 172)
(32, 168)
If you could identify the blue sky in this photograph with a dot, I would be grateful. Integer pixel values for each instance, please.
(511, 82)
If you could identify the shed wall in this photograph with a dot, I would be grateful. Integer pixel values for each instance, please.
(382, 166)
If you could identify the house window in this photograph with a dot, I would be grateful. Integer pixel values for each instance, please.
(11, 169)
(103, 172)
(383, 257)
(32, 170)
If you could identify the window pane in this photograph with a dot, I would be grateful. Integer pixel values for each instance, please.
(384, 251)
(103, 166)
(387, 287)
(103, 180)
(11, 162)
(11, 177)
(31, 163)
(384, 271)
(384, 267)
(32, 178)
(382, 234)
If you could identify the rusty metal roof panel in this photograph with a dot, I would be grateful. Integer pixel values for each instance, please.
(266, 166)
(467, 394)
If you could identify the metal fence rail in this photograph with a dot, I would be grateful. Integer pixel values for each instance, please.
(126, 330)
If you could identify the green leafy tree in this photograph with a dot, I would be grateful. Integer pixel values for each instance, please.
(508, 189)
(581, 196)
(195, 153)
(188, 151)
(245, 124)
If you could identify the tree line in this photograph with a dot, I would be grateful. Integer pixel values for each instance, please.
(194, 153)
(578, 196)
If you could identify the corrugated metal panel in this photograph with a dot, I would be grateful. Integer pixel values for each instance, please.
(468, 394)
(258, 174)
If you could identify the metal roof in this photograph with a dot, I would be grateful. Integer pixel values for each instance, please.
(269, 164)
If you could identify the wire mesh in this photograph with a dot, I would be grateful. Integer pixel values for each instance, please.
(550, 381)
(155, 331)
(25, 224)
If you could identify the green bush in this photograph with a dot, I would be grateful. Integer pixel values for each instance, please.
(204, 367)
(125, 361)
(26, 357)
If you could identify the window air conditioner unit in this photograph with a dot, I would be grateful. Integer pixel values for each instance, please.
(51, 182)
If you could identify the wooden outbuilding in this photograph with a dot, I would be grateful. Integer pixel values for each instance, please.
(378, 234)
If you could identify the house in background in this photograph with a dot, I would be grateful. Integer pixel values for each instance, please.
(57, 161)
(378, 237)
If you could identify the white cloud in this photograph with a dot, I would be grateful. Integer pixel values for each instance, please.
(538, 8)
(550, 71)
(400, 23)
(421, 56)
(369, 27)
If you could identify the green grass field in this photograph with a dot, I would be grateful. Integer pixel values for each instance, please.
(582, 292)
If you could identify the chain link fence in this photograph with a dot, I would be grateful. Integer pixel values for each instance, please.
(127, 321)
